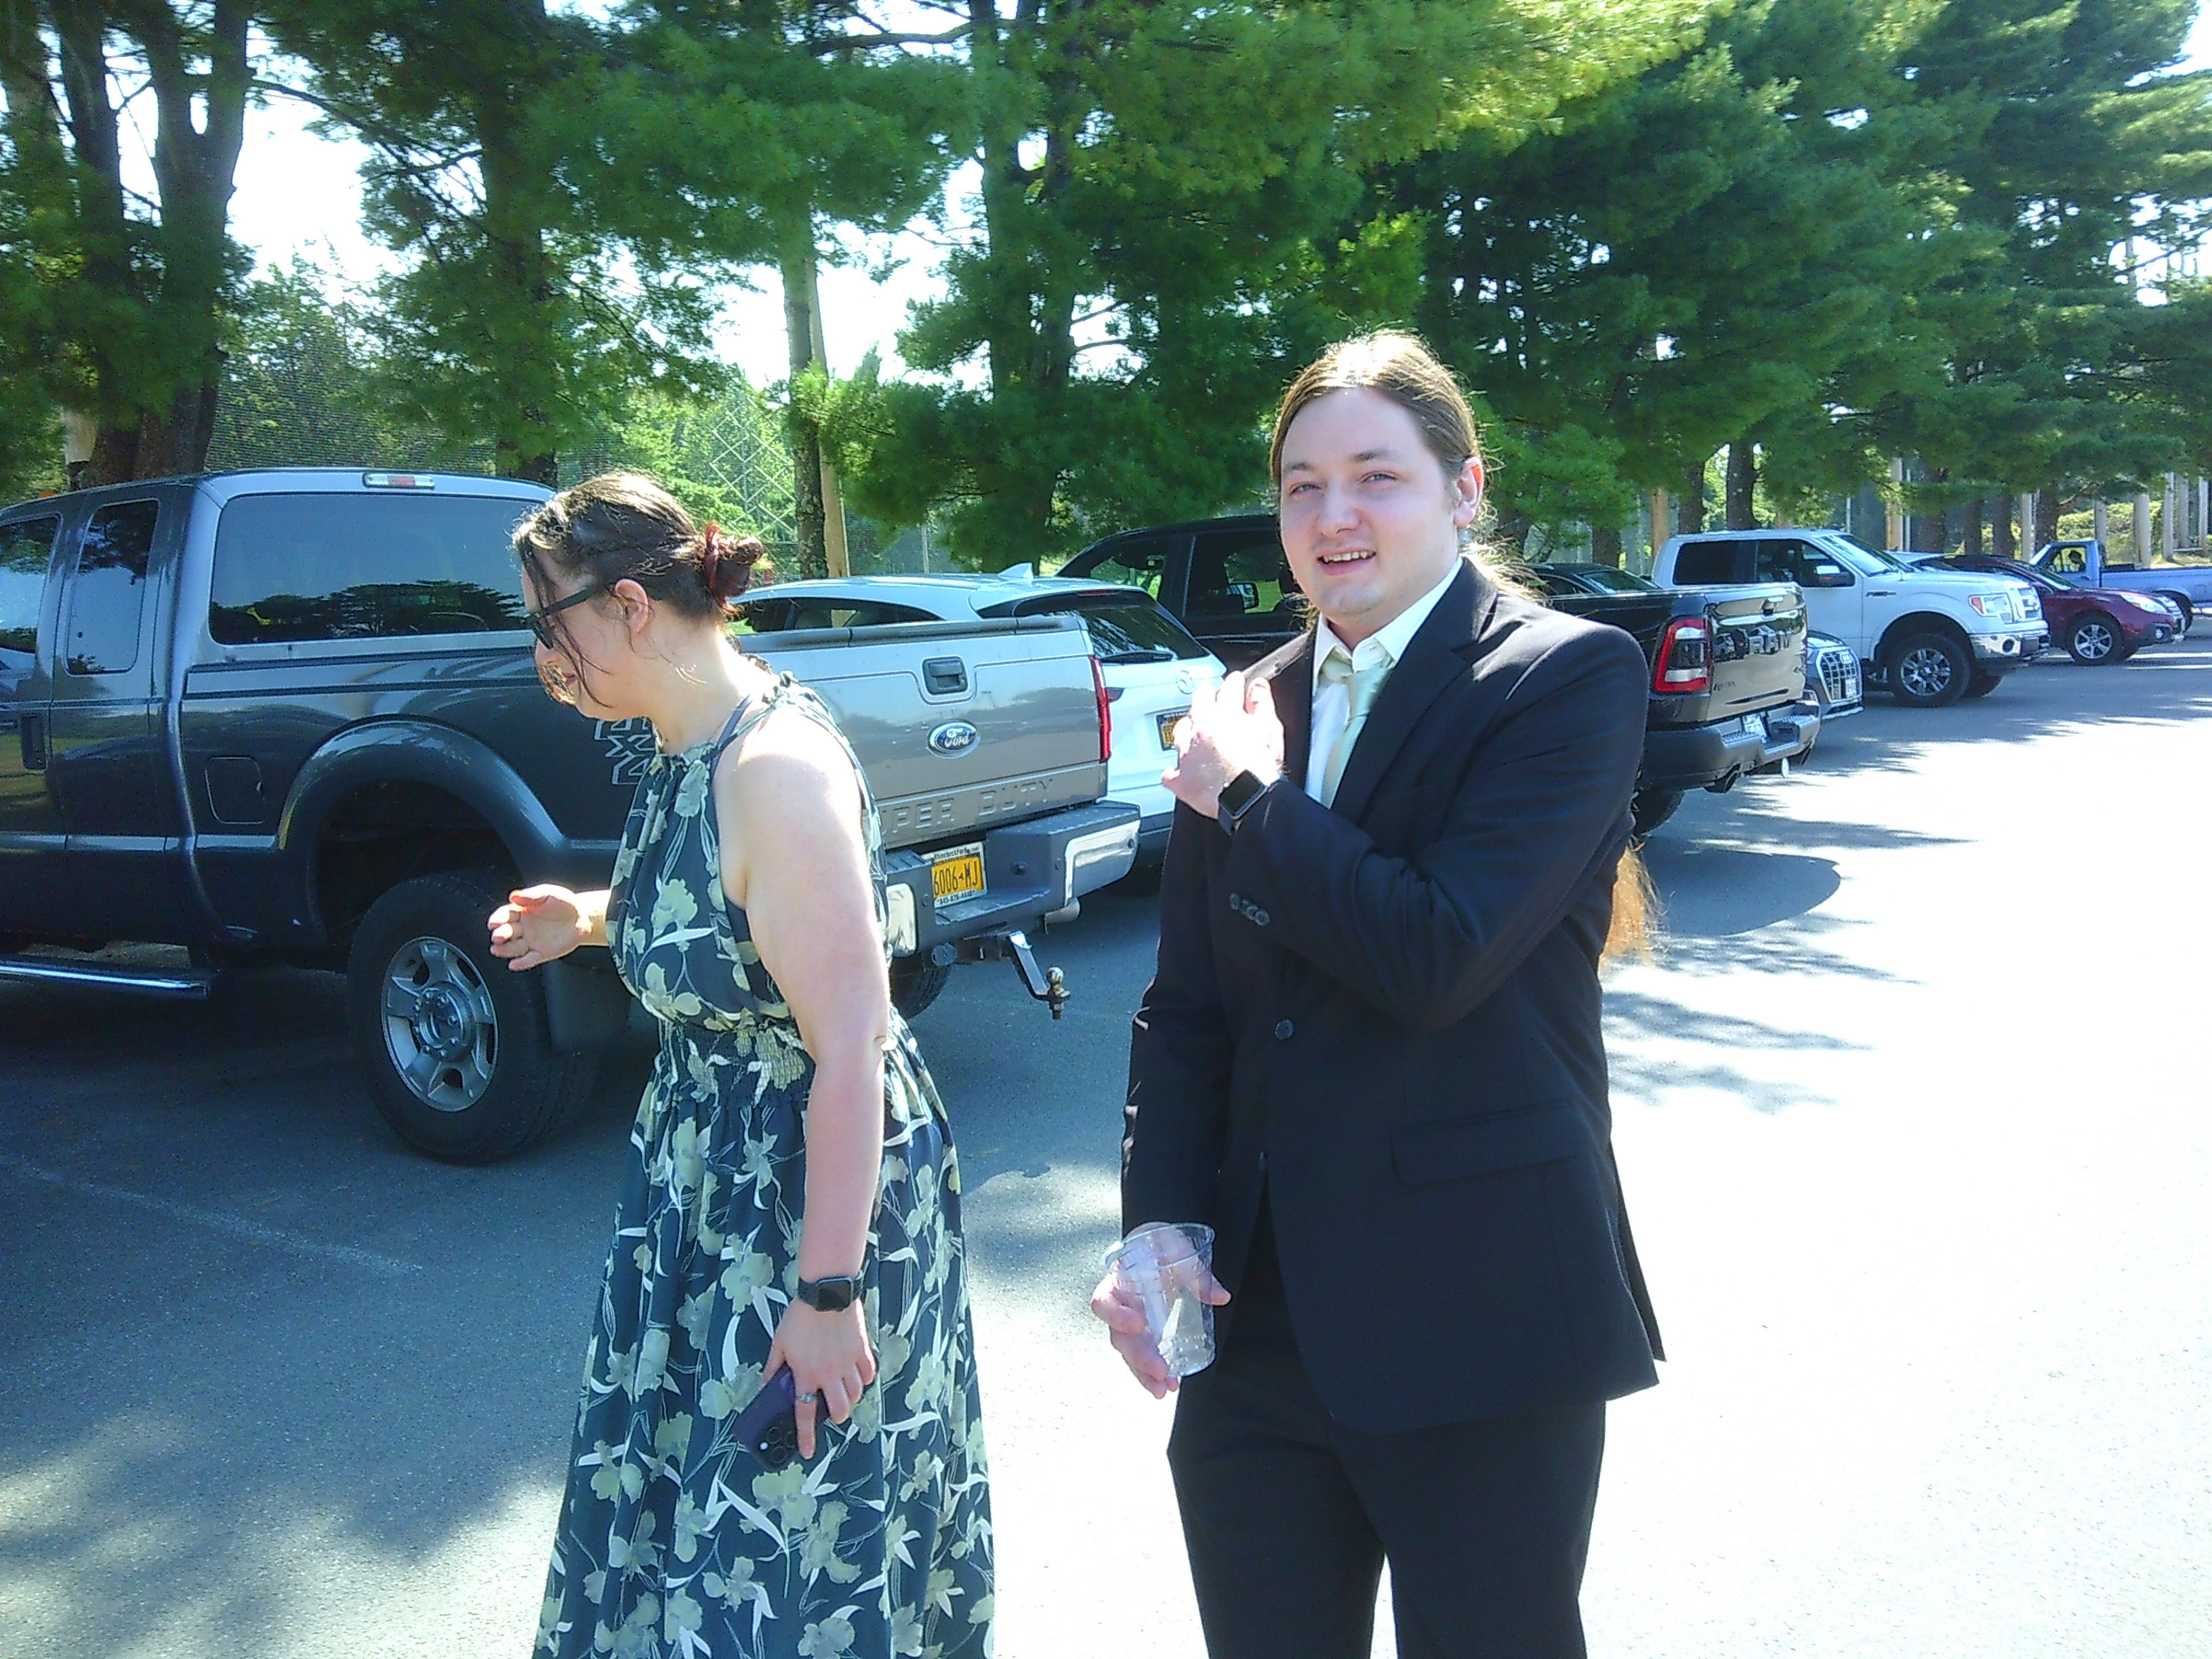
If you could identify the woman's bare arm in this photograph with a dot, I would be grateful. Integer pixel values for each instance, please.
(794, 861)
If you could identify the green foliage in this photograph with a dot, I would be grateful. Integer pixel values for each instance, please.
(2072, 141)
(521, 314)
(1713, 248)
(726, 460)
(302, 388)
(1175, 213)
(130, 293)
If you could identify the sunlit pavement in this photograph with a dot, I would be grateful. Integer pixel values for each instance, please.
(1912, 1116)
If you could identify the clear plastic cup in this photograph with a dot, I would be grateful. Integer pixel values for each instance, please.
(1162, 1265)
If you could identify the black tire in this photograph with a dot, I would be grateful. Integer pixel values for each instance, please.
(454, 1045)
(2188, 611)
(1652, 807)
(2094, 639)
(1986, 681)
(916, 982)
(1929, 671)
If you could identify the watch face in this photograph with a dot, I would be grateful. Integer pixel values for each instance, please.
(1238, 793)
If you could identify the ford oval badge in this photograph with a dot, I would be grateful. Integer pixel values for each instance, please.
(954, 737)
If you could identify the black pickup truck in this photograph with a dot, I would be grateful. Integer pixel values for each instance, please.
(1729, 696)
(291, 716)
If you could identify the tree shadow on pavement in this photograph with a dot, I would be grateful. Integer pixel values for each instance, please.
(240, 1316)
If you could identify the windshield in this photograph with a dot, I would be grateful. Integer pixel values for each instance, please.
(1867, 560)
(1615, 582)
(1124, 627)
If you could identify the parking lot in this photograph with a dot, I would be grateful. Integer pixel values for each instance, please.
(1913, 1121)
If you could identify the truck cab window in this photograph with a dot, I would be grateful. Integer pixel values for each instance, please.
(25, 547)
(108, 596)
(1706, 564)
(1241, 575)
(2069, 562)
(1794, 560)
(343, 567)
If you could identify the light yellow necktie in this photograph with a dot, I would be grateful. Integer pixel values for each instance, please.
(1364, 685)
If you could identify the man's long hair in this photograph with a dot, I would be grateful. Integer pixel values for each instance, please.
(1404, 370)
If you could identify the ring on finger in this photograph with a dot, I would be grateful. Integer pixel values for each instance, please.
(807, 1399)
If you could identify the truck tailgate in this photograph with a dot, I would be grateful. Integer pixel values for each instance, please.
(1757, 647)
(1010, 727)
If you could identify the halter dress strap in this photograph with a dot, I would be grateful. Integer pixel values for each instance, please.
(746, 716)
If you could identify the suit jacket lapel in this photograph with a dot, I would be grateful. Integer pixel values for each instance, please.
(1288, 670)
(1435, 657)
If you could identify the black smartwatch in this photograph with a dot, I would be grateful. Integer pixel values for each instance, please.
(1236, 799)
(830, 1295)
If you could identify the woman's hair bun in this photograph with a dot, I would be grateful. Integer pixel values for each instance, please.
(725, 562)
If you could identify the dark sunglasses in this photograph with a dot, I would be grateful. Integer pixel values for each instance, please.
(541, 620)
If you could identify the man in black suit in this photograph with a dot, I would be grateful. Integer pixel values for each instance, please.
(1371, 1059)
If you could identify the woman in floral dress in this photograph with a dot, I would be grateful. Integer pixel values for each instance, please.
(790, 1198)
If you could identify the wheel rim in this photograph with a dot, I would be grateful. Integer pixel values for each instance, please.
(440, 1027)
(1925, 671)
(2093, 640)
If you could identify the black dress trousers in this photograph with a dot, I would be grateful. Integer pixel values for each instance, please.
(1289, 1514)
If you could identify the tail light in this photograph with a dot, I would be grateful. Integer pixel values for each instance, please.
(1685, 661)
(1105, 718)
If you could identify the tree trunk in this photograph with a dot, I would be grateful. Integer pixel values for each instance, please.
(153, 385)
(1510, 539)
(2000, 539)
(2046, 517)
(523, 446)
(1030, 341)
(1604, 544)
(796, 262)
(1690, 515)
(1742, 480)
(1970, 540)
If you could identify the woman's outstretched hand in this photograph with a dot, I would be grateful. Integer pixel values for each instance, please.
(831, 1361)
(538, 925)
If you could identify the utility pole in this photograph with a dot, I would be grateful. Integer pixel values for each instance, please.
(1893, 518)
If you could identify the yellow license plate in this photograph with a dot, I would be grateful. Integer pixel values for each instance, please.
(957, 876)
(1168, 726)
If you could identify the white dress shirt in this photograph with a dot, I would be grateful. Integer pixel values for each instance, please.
(1332, 699)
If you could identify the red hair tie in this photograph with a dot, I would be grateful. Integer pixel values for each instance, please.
(710, 556)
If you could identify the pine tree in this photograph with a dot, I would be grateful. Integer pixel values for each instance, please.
(122, 317)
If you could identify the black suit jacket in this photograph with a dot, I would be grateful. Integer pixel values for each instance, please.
(1385, 1015)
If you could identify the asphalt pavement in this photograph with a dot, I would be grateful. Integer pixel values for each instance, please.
(1912, 1116)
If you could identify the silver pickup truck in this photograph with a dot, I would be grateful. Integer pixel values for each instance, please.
(291, 716)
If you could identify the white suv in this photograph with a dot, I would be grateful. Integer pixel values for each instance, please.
(1930, 637)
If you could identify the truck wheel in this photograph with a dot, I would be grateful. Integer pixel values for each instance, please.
(915, 982)
(454, 1045)
(2094, 639)
(1929, 671)
(1986, 681)
(2187, 612)
(1652, 807)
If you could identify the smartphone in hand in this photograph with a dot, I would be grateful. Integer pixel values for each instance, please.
(769, 1426)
